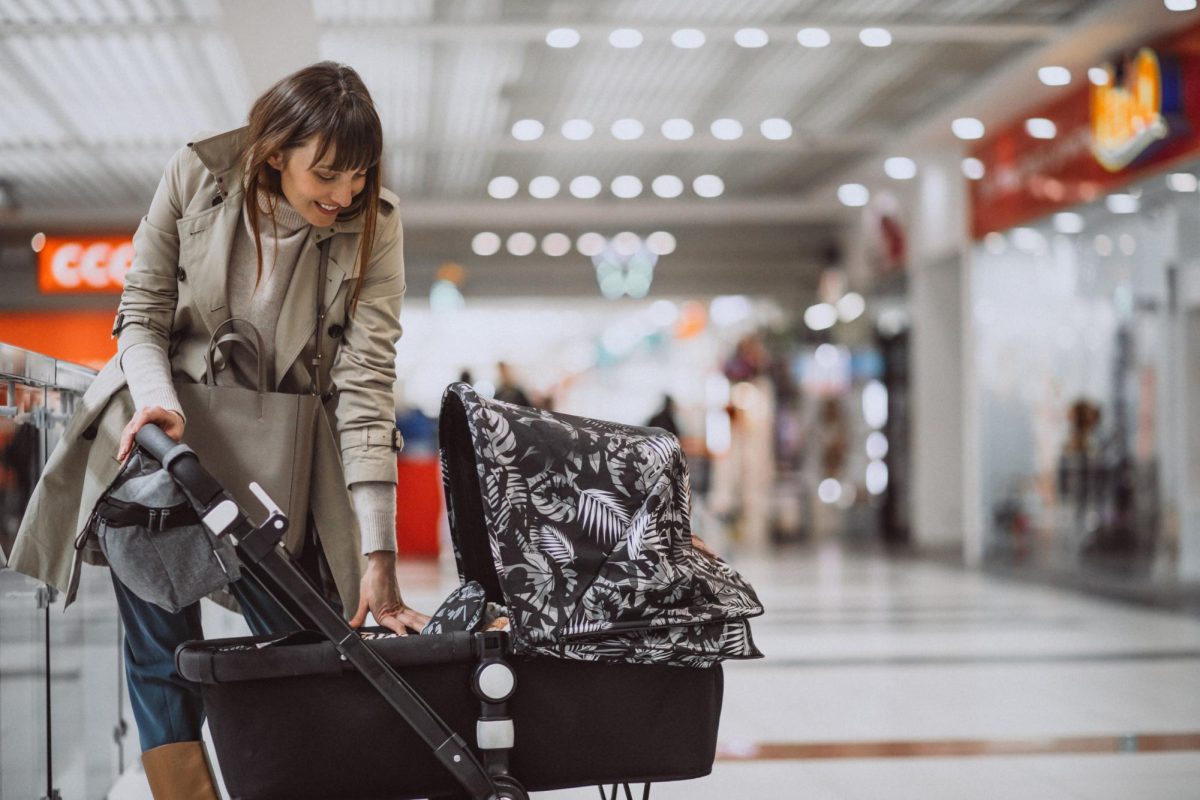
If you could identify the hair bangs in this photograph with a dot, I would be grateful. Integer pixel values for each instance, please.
(354, 135)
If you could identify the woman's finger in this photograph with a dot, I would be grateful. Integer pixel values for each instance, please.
(360, 616)
(392, 622)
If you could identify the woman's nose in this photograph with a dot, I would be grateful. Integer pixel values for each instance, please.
(342, 196)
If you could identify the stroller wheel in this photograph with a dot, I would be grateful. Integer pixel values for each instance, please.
(507, 788)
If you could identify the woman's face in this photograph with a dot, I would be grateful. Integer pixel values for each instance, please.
(317, 192)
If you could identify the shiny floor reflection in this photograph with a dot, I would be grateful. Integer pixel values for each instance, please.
(904, 678)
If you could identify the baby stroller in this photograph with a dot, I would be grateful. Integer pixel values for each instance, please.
(576, 531)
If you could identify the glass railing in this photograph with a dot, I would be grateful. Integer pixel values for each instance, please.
(63, 712)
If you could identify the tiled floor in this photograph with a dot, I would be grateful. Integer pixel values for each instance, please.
(906, 656)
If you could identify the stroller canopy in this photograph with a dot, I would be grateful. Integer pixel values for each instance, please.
(581, 529)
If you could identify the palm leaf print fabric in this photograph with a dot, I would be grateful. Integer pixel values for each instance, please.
(586, 525)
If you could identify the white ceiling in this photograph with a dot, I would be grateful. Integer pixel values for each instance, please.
(96, 94)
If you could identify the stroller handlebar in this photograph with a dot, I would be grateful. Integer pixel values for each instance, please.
(157, 443)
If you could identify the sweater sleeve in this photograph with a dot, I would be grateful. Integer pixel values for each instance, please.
(148, 374)
(375, 507)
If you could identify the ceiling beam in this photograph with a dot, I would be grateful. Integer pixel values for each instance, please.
(272, 38)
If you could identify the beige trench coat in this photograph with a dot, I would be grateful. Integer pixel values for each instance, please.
(174, 297)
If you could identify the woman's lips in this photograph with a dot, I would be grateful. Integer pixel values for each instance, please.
(326, 211)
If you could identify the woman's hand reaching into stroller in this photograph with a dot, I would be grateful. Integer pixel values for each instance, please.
(380, 594)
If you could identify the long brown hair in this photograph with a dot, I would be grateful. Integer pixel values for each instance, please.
(328, 101)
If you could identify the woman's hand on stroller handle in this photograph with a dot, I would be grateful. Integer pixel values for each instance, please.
(171, 423)
(379, 593)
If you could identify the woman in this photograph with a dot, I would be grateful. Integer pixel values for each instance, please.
(234, 230)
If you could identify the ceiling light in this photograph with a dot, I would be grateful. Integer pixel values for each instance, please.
(995, 243)
(1103, 245)
(562, 37)
(667, 186)
(677, 129)
(521, 243)
(1182, 182)
(967, 128)
(1068, 222)
(543, 187)
(577, 130)
(687, 38)
(1054, 76)
(556, 244)
(708, 186)
(726, 129)
(625, 38)
(1041, 128)
(1127, 244)
(854, 195)
(751, 37)
(626, 186)
(527, 130)
(776, 129)
(627, 243)
(1180, 5)
(875, 37)
(820, 317)
(814, 37)
(38, 242)
(627, 129)
(591, 244)
(660, 243)
(973, 168)
(485, 244)
(1122, 203)
(585, 187)
(502, 187)
(851, 306)
(1099, 76)
(900, 168)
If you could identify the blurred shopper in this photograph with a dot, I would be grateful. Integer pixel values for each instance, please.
(665, 417)
(233, 232)
(508, 390)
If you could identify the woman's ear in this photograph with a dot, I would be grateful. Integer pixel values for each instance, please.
(276, 160)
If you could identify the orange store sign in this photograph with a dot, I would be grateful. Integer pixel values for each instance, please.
(1127, 117)
(84, 265)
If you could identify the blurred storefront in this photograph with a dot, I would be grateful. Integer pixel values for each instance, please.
(1084, 315)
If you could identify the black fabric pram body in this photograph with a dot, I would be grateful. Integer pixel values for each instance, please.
(577, 529)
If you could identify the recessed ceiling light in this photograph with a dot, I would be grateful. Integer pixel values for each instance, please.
(751, 38)
(1180, 5)
(1068, 222)
(585, 187)
(726, 129)
(1122, 203)
(660, 243)
(556, 244)
(1054, 76)
(708, 186)
(688, 38)
(776, 129)
(973, 168)
(543, 187)
(502, 187)
(521, 243)
(813, 37)
(38, 242)
(527, 130)
(485, 244)
(1182, 182)
(875, 37)
(627, 129)
(853, 195)
(1041, 128)
(627, 243)
(577, 130)
(900, 168)
(562, 37)
(677, 129)
(591, 244)
(626, 186)
(1099, 76)
(625, 38)
(667, 186)
(967, 128)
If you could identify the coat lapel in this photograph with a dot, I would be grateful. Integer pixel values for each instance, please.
(297, 318)
(205, 243)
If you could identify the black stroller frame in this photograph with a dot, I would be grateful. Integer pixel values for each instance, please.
(494, 681)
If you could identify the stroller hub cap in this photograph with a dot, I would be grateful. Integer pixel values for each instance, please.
(495, 681)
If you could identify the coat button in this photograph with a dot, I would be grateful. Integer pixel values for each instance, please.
(89, 433)
(181, 275)
(336, 331)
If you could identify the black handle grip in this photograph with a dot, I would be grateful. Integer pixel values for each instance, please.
(157, 443)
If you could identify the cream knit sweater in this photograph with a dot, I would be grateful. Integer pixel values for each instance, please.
(148, 371)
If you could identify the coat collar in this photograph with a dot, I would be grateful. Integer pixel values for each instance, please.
(222, 156)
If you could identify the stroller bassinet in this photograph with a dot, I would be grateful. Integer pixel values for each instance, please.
(577, 529)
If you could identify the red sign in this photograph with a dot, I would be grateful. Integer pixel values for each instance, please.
(1145, 117)
(77, 266)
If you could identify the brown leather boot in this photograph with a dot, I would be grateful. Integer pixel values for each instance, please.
(180, 771)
